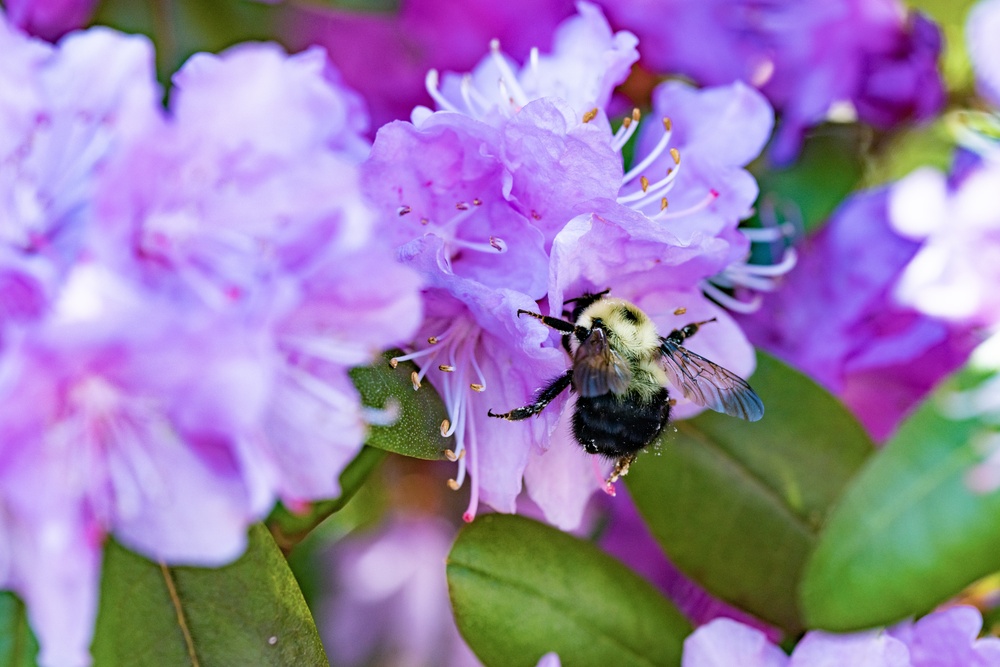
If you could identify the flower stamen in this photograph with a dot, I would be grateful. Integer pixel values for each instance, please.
(432, 83)
(627, 129)
(517, 94)
(654, 154)
(703, 204)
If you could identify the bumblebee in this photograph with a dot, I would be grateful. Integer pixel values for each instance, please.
(620, 371)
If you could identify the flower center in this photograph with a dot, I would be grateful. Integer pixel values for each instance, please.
(458, 379)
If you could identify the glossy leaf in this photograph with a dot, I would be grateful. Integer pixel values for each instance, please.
(417, 431)
(289, 528)
(738, 506)
(909, 533)
(520, 589)
(248, 613)
(18, 647)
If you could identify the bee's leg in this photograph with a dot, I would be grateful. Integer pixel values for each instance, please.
(621, 468)
(545, 396)
(680, 335)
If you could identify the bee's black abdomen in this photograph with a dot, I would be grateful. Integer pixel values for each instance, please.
(615, 426)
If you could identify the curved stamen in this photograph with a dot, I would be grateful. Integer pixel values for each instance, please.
(626, 130)
(786, 264)
(703, 204)
(431, 83)
(640, 199)
(413, 355)
(654, 154)
(508, 77)
(769, 234)
(481, 384)
(729, 302)
(473, 507)
(474, 100)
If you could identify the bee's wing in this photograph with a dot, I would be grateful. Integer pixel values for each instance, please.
(709, 384)
(597, 369)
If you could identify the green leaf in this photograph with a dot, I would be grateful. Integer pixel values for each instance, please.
(828, 168)
(18, 647)
(909, 533)
(289, 528)
(738, 506)
(417, 432)
(248, 613)
(520, 589)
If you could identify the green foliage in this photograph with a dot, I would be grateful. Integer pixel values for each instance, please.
(417, 432)
(520, 589)
(18, 647)
(909, 532)
(248, 613)
(738, 506)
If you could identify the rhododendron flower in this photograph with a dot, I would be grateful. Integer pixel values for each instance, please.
(981, 29)
(211, 288)
(954, 274)
(65, 111)
(836, 319)
(502, 197)
(947, 637)
(805, 56)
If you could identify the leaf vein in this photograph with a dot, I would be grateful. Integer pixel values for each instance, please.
(179, 610)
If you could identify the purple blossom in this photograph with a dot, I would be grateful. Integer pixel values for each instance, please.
(66, 111)
(806, 57)
(942, 638)
(587, 61)
(948, 637)
(388, 598)
(204, 293)
(981, 29)
(837, 319)
(49, 19)
(500, 199)
(385, 56)
(954, 273)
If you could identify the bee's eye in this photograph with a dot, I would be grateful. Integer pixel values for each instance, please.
(689, 330)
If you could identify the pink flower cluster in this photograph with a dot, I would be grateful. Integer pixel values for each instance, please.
(182, 293)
